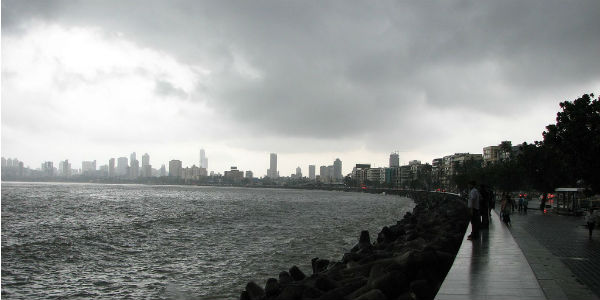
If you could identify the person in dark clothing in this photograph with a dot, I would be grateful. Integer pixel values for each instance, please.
(473, 205)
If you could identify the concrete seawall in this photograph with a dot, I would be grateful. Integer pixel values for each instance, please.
(409, 259)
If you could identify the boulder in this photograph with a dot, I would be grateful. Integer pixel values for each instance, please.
(254, 291)
(296, 273)
(271, 287)
(285, 278)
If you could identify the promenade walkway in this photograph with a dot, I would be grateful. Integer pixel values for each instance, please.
(565, 261)
(492, 267)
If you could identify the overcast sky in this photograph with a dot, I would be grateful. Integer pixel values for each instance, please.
(309, 80)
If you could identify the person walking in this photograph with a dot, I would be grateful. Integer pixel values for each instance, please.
(520, 202)
(473, 206)
(505, 208)
(525, 204)
(591, 221)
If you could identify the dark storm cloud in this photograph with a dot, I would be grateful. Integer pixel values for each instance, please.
(327, 69)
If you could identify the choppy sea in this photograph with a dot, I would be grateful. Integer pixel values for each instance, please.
(95, 241)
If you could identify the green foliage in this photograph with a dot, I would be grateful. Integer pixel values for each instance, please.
(575, 141)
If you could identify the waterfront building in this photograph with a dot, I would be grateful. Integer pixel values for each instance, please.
(175, 168)
(203, 159)
(145, 159)
(394, 160)
(111, 167)
(376, 175)
(132, 157)
(337, 170)
(311, 172)
(359, 173)
(323, 174)
(249, 174)
(272, 171)
(162, 171)
(134, 169)
(122, 166)
(65, 168)
(298, 173)
(47, 168)
(491, 155)
(233, 175)
(146, 171)
(88, 168)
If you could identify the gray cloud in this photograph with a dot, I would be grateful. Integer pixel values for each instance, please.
(354, 69)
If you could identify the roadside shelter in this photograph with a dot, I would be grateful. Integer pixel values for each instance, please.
(568, 201)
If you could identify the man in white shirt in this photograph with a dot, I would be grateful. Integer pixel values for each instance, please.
(473, 205)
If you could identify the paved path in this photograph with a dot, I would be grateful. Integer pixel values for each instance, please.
(564, 260)
(492, 267)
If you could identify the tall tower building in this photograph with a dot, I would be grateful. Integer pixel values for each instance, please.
(132, 157)
(203, 159)
(272, 171)
(337, 170)
(122, 166)
(394, 160)
(298, 172)
(145, 159)
(111, 167)
(311, 172)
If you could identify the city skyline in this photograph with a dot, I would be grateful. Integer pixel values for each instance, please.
(89, 80)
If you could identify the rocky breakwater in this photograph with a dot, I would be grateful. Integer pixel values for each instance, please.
(409, 260)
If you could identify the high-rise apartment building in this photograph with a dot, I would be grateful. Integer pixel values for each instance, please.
(311, 172)
(175, 168)
(145, 159)
(272, 171)
(111, 167)
(298, 172)
(203, 159)
(122, 166)
(47, 168)
(337, 170)
(163, 171)
(394, 160)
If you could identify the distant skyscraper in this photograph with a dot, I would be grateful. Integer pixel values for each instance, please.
(122, 166)
(66, 168)
(249, 174)
(203, 159)
(132, 157)
(394, 160)
(134, 169)
(175, 168)
(298, 172)
(48, 168)
(311, 172)
(272, 171)
(337, 170)
(163, 171)
(323, 173)
(145, 159)
(111, 167)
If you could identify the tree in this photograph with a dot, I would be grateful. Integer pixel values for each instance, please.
(575, 139)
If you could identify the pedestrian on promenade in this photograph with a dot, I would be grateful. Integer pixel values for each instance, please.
(505, 208)
(525, 203)
(520, 202)
(591, 221)
(473, 206)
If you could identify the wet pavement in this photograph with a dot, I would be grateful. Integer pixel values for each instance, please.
(492, 267)
(565, 261)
